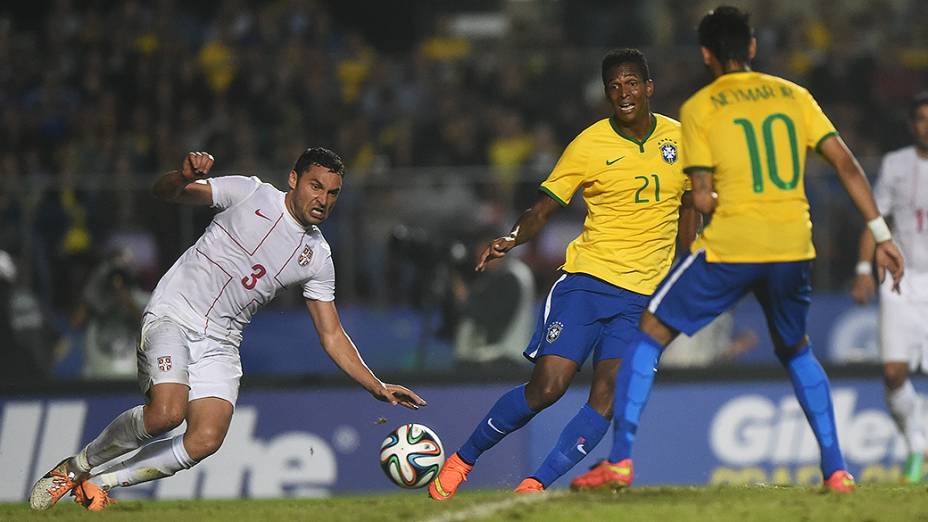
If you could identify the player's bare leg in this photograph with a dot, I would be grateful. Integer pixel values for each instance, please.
(208, 422)
(632, 387)
(657, 330)
(130, 430)
(582, 433)
(605, 474)
(617, 471)
(550, 378)
(602, 391)
(905, 406)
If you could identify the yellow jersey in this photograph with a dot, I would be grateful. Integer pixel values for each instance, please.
(632, 190)
(752, 130)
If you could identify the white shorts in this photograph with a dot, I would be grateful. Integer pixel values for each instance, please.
(904, 321)
(170, 352)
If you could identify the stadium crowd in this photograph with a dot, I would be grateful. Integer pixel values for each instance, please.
(446, 126)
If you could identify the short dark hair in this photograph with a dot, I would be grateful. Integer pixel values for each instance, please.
(319, 156)
(919, 100)
(617, 57)
(726, 31)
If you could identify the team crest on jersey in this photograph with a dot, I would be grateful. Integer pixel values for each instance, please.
(669, 151)
(164, 363)
(304, 258)
(554, 331)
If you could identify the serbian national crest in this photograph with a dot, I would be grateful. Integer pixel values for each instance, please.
(304, 258)
(669, 151)
(164, 363)
(554, 331)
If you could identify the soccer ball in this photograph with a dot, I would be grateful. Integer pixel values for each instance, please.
(411, 456)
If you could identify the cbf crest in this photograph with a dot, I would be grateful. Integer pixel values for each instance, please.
(668, 150)
(554, 331)
(305, 257)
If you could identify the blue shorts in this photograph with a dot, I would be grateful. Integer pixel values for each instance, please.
(696, 291)
(584, 314)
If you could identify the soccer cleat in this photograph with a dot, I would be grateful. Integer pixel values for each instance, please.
(913, 469)
(91, 496)
(840, 482)
(616, 475)
(529, 485)
(55, 484)
(449, 478)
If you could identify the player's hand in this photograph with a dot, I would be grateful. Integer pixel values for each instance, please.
(196, 165)
(497, 248)
(705, 202)
(396, 394)
(863, 289)
(889, 258)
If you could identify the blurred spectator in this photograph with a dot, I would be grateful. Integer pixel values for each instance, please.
(109, 315)
(97, 92)
(496, 314)
(29, 339)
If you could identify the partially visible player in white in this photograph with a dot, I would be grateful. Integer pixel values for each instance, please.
(259, 242)
(902, 193)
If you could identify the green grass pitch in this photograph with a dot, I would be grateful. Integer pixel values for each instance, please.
(871, 502)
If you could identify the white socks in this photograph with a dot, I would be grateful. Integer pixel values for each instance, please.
(906, 409)
(124, 434)
(156, 460)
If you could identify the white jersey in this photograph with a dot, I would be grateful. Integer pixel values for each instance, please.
(251, 250)
(902, 192)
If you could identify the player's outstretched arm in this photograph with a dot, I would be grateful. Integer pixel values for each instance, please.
(852, 176)
(855, 183)
(344, 354)
(177, 186)
(528, 225)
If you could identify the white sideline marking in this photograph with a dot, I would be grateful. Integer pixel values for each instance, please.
(486, 510)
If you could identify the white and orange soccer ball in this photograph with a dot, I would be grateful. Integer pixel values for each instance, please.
(411, 456)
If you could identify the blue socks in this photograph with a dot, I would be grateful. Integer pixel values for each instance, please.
(510, 413)
(814, 395)
(632, 387)
(580, 436)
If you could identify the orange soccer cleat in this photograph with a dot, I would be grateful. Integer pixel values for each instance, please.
(840, 482)
(616, 475)
(55, 484)
(529, 485)
(91, 496)
(452, 474)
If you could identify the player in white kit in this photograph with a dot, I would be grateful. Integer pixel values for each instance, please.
(259, 242)
(902, 193)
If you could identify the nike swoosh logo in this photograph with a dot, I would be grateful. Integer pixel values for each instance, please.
(580, 449)
(613, 161)
(490, 422)
(259, 214)
(441, 491)
(620, 470)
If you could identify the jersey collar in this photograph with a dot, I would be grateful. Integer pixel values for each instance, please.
(618, 130)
